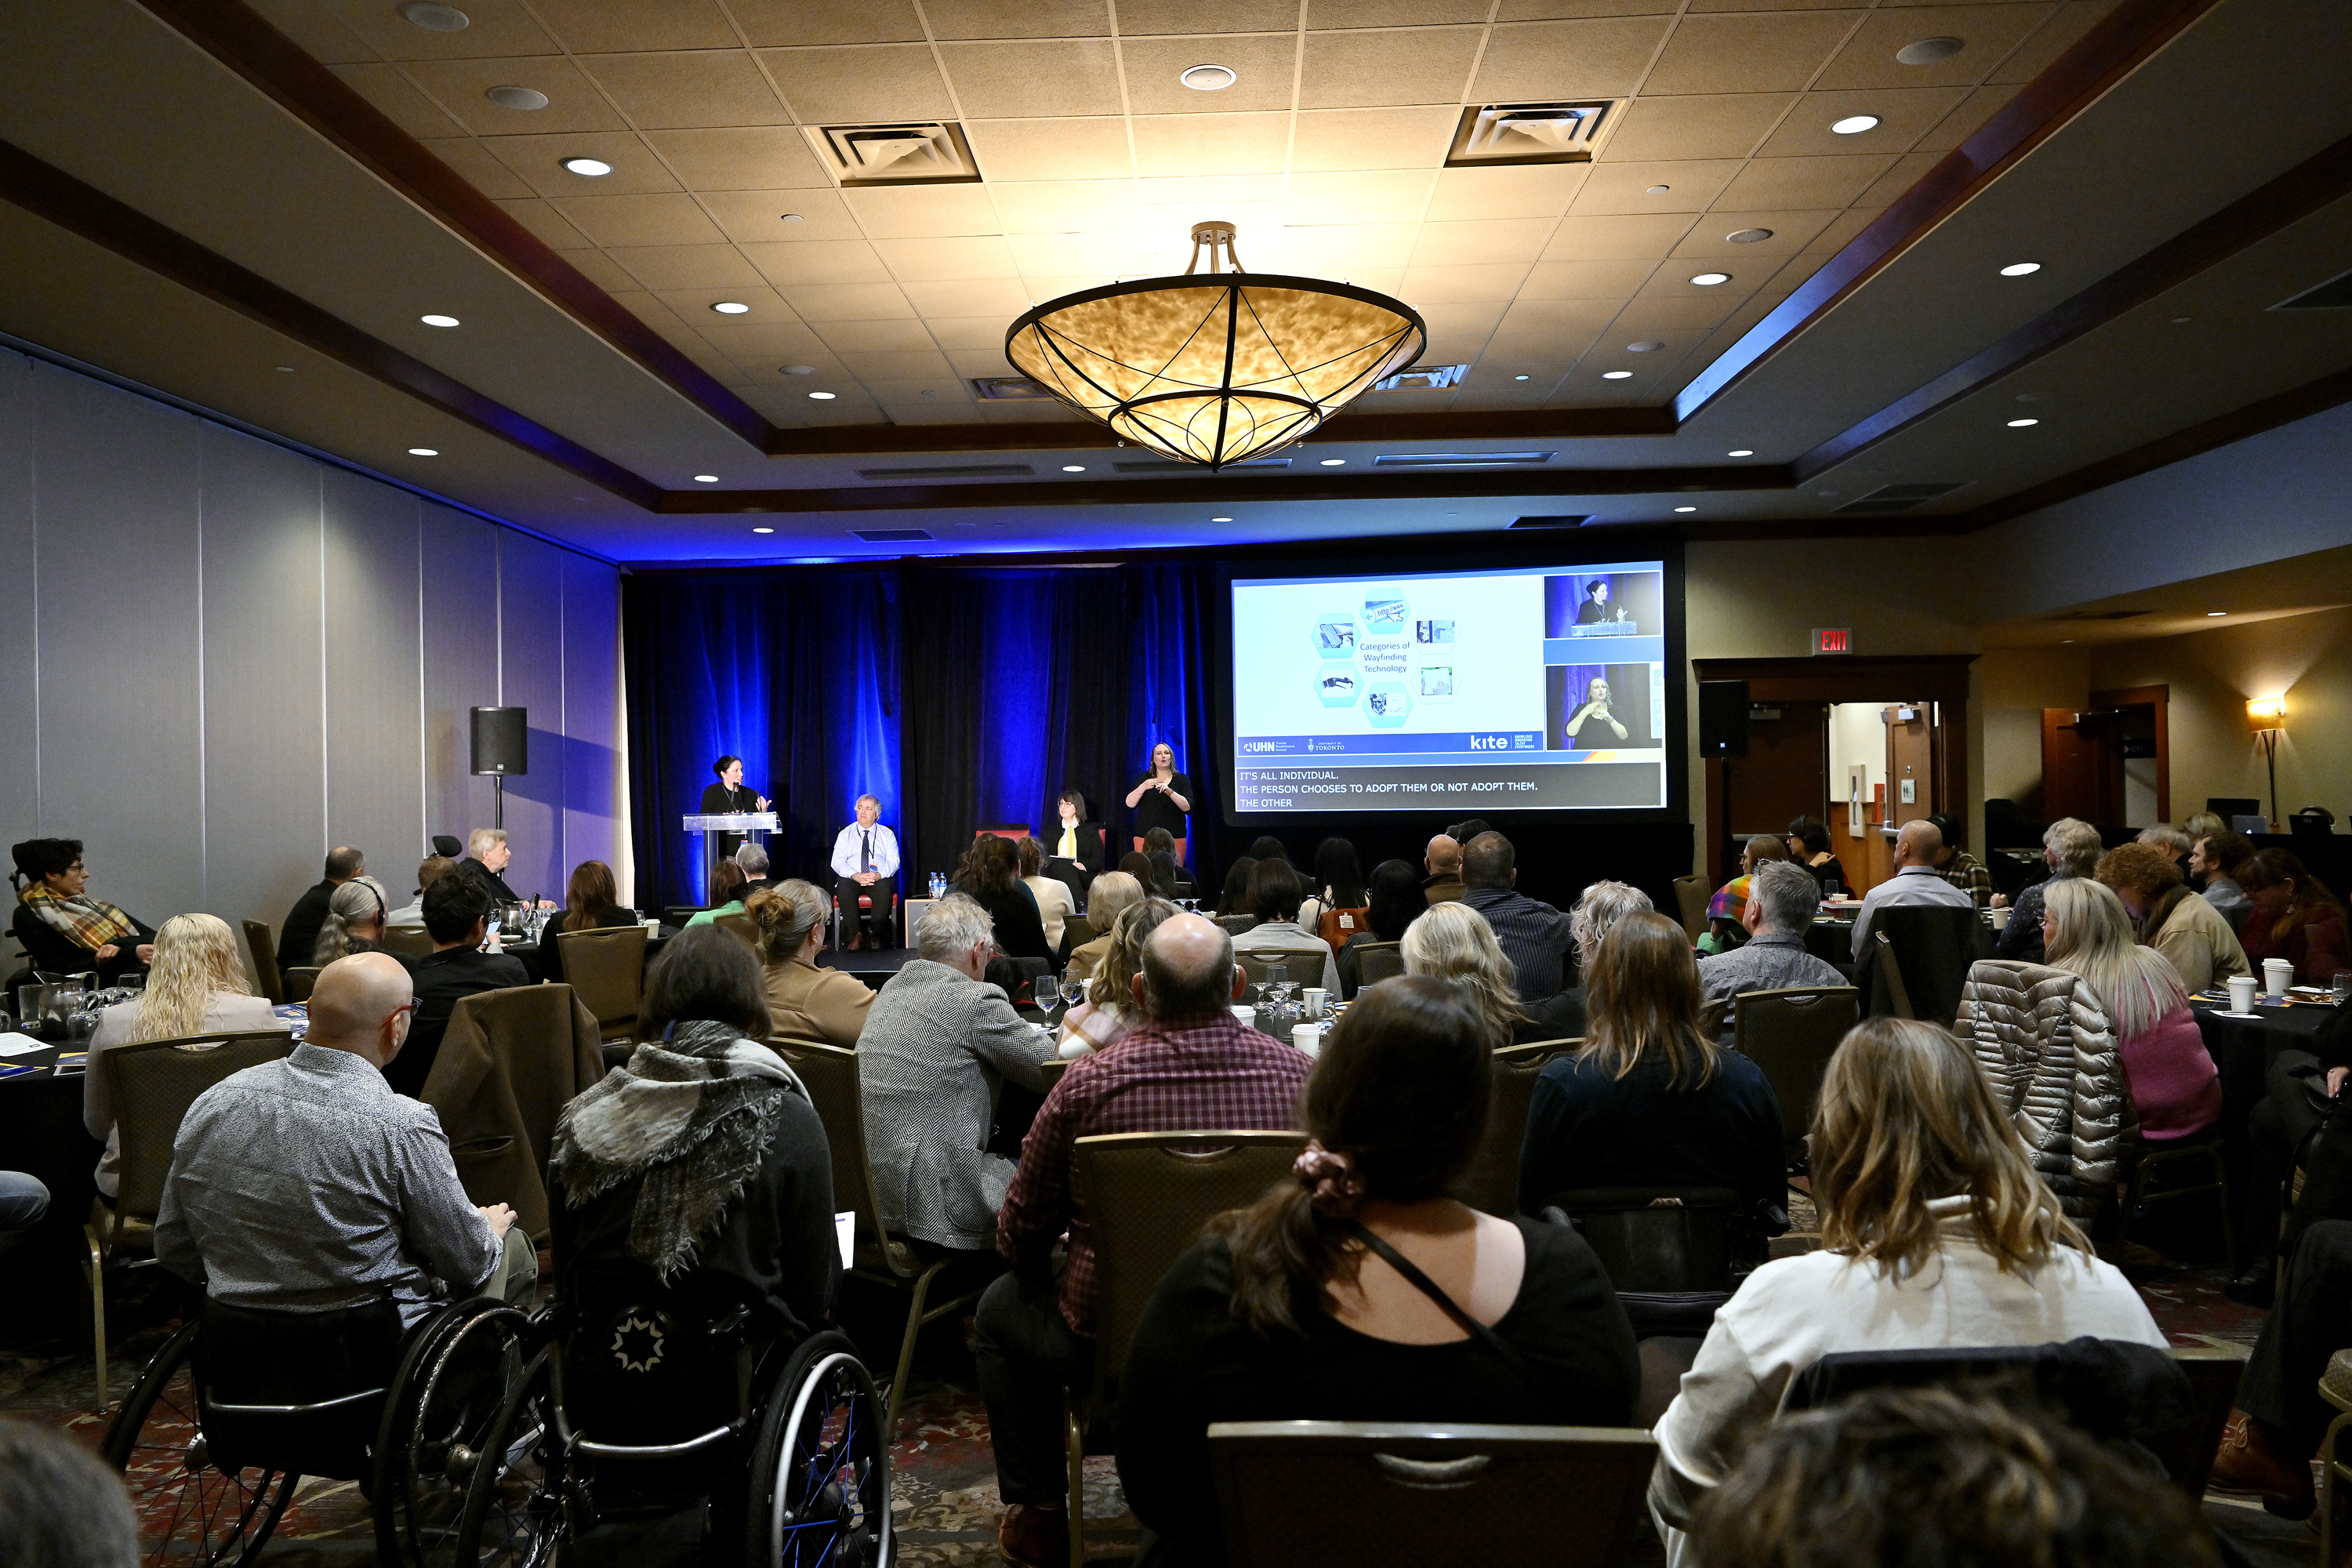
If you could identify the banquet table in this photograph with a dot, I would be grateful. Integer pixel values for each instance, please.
(2242, 1050)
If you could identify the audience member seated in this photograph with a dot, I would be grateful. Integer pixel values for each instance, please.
(456, 917)
(2293, 917)
(195, 985)
(727, 892)
(1936, 1233)
(1190, 1066)
(1649, 1100)
(1167, 878)
(62, 1506)
(1782, 899)
(354, 923)
(1466, 829)
(23, 1203)
(1453, 942)
(429, 870)
(804, 1002)
(2267, 1447)
(1279, 938)
(2070, 847)
(487, 855)
(1535, 935)
(1916, 881)
(1233, 899)
(2167, 1071)
(2214, 864)
(1052, 895)
(1138, 864)
(297, 938)
(937, 1044)
(700, 1167)
(2295, 1124)
(1106, 1012)
(590, 903)
(1107, 896)
(997, 888)
(1266, 847)
(1725, 927)
(1396, 901)
(306, 1183)
(866, 866)
(1956, 865)
(2170, 918)
(61, 928)
(2177, 842)
(1158, 841)
(1601, 906)
(1809, 845)
(1292, 1309)
(1338, 882)
(1443, 859)
(1072, 837)
(1940, 1478)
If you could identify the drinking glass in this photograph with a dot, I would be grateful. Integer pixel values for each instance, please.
(1047, 993)
(2339, 985)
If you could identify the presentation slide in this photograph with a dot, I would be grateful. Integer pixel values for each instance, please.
(1520, 689)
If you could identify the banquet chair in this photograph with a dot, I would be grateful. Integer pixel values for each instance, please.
(2206, 1146)
(1378, 960)
(1790, 1034)
(607, 970)
(408, 941)
(1691, 900)
(264, 948)
(299, 979)
(1491, 1184)
(739, 927)
(1922, 954)
(1235, 924)
(508, 1064)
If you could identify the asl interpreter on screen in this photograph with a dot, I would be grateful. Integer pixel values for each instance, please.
(1162, 798)
(866, 864)
(1596, 607)
(1584, 725)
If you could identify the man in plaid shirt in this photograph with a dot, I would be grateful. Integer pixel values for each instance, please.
(1190, 1067)
(1957, 866)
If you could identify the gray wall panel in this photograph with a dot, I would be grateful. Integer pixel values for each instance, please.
(265, 756)
(530, 585)
(375, 749)
(591, 757)
(461, 663)
(19, 694)
(121, 724)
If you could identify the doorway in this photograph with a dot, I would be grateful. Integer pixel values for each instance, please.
(2109, 764)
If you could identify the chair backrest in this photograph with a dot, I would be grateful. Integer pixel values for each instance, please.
(1491, 1184)
(1147, 1195)
(529, 1030)
(299, 979)
(1237, 924)
(1691, 898)
(1889, 997)
(1336, 926)
(1078, 930)
(154, 1083)
(830, 1074)
(1932, 946)
(1792, 1034)
(739, 927)
(1657, 1239)
(1340, 1494)
(264, 948)
(409, 942)
(607, 970)
(1378, 960)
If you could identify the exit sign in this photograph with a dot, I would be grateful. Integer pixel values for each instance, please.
(1833, 639)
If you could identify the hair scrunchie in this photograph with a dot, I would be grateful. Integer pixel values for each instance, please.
(1334, 1186)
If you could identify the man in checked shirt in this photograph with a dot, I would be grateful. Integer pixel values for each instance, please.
(1190, 1067)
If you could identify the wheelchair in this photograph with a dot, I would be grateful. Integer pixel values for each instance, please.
(651, 1399)
(240, 1404)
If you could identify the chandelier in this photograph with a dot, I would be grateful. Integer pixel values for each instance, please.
(1214, 368)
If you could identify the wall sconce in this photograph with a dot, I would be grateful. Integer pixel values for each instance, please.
(2266, 716)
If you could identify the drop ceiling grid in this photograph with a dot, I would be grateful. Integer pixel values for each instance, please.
(902, 383)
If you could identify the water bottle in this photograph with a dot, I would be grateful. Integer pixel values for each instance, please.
(938, 884)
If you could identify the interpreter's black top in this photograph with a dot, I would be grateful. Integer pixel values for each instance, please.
(1156, 810)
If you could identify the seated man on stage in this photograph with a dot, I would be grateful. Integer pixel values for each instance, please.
(866, 864)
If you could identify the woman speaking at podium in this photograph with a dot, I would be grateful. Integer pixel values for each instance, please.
(731, 795)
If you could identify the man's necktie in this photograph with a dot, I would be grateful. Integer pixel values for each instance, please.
(866, 856)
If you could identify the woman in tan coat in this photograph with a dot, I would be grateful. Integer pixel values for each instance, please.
(805, 1003)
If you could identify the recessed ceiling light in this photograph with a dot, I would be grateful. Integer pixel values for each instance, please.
(1207, 79)
(594, 168)
(1927, 51)
(526, 99)
(706, 478)
(424, 452)
(1660, 190)
(1749, 236)
(288, 369)
(1616, 375)
(790, 218)
(1518, 378)
(1221, 519)
(436, 18)
(1074, 468)
(1685, 509)
(2177, 321)
(796, 369)
(2028, 397)
(1854, 124)
(2021, 423)
(438, 320)
(1709, 280)
(763, 531)
(1740, 452)
(822, 396)
(2210, 614)
(1334, 462)
(732, 308)
(2020, 268)
(1646, 346)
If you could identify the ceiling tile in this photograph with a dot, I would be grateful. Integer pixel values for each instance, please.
(496, 29)
(1164, 229)
(1631, 237)
(1024, 79)
(982, 360)
(322, 36)
(1748, 274)
(770, 344)
(1486, 241)
(1392, 196)
(740, 158)
(1210, 143)
(572, 101)
(1585, 279)
(850, 87)
(1756, 53)
(1335, 250)
(1004, 297)
(398, 100)
(1904, 116)
(2041, 49)
(1690, 185)
(821, 261)
(1500, 368)
(1018, 18)
(1427, 286)
(693, 304)
(1988, 31)
(1637, 325)
(1563, 10)
(1213, 192)
(1345, 139)
(1965, 121)
(1262, 64)
(1552, 329)
(1099, 256)
(1143, 18)
(640, 220)
(937, 261)
(1603, 59)
(538, 162)
(477, 167)
(1907, 172)
(1391, 13)
(1460, 321)
(651, 311)
(1379, 70)
(603, 27)
(1841, 232)
(850, 335)
(1767, 182)
(758, 217)
(1074, 149)
(848, 302)
(1651, 318)
(598, 267)
(1066, 206)
(659, 266)
(816, 22)
(923, 212)
(687, 87)
(547, 224)
(1527, 190)
(977, 333)
(1720, 125)
(854, 408)
(902, 365)
(1792, 232)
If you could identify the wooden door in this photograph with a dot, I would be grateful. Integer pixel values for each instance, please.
(2082, 766)
(1785, 774)
(1910, 760)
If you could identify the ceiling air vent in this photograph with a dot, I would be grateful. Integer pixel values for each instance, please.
(954, 471)
(1500, 133)
(1009, 389)
(1460, 459)
(1888, 499)
(2336, 294)
(891, 535)
(1422, 378)
(1552, 521)
(917, 153)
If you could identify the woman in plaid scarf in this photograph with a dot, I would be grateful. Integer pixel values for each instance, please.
(65, 931)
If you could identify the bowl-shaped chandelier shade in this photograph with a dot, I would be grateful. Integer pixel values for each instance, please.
(1214, 369)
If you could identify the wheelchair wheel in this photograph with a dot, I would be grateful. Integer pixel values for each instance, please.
(453, 1380)
(820, 1484)
(189, 1511)
(514, 1515)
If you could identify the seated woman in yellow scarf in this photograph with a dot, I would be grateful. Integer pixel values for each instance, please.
(65, 931)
